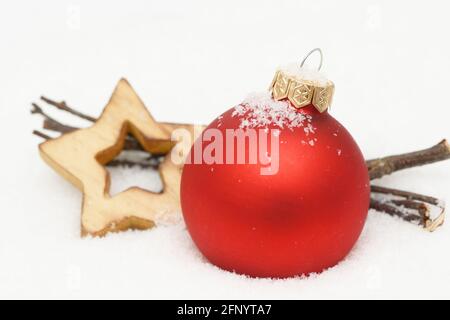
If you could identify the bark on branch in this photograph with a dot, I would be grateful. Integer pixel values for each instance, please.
(387, 165)
(409, 206)
(64, 107)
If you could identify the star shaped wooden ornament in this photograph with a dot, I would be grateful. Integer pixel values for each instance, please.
(80, 157)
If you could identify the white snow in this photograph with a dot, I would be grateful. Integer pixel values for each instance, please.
(305, 73)
(41, 253)
(259, 110)
(123, 178)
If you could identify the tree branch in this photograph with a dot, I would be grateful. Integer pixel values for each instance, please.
(387, 165)
(409, 206)
(394, 211)
(131, 164)
(64, 107)
(407, 195)
(53, 125)
(41, 135)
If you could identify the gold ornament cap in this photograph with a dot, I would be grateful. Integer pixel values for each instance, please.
(303, 87)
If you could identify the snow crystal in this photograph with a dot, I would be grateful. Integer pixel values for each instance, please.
(308, 130)
(260, 110)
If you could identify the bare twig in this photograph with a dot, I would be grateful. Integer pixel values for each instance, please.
(53, 125)
(38, 110)
(382, 206)
(49, 122)
(132, 144)
(409, 206)
(407, 195)
(130, 164)
(41, 135)
(387, 165)
(64, 107)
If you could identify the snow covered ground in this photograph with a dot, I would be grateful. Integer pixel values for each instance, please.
(390, 67)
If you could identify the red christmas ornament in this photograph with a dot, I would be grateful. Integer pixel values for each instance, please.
(301, 216)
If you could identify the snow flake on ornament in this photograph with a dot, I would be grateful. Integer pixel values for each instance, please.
(311, 142)
(260, 111)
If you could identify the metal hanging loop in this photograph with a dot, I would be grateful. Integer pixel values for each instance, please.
(309, 54)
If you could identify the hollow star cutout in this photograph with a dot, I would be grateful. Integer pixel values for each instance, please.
(80, 157)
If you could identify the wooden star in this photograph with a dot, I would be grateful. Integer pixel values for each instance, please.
(80, 157)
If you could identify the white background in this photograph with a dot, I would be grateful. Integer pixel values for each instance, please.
(390, 61)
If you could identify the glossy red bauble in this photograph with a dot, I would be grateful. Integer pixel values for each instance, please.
(304, 219)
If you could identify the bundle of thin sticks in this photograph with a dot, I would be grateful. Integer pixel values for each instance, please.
(422, 210)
